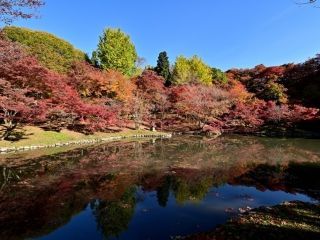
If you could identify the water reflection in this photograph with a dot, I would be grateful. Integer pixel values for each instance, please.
(113, 217)
(152, 190)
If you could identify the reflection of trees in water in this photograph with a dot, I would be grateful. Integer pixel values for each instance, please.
(304, 178)
(7, 175)
(183, 189)
(163, 192)
(181, 152)
(113, 217)
(294, 177)
(191, 191)
(186, 167)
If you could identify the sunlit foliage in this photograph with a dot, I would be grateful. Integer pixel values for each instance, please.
(116, 51)
(51, 51)
(191, 70)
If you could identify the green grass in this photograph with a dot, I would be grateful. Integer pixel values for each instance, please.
(37, 136)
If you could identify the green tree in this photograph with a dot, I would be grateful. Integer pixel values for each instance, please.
(163, 67)
(275, 92)
(192, 70)
(116, 51)
(219, 76)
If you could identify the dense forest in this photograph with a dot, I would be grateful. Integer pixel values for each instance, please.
(46, 82)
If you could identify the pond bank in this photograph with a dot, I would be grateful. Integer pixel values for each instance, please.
(290, 220)
(36, 138)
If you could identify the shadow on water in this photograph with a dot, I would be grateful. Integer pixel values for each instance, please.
(153, 189)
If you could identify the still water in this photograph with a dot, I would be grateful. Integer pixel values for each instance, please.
(152, 189)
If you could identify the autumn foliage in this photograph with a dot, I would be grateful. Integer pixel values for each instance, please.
(201, 104)
(89, 99)
(28, 87)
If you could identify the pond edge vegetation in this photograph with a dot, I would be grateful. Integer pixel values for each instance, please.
(88, 140)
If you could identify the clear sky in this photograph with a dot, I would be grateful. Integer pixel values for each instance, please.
(224, 33)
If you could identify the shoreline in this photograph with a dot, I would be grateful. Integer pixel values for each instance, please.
(86, 141)
(288, 220)
(80, 139)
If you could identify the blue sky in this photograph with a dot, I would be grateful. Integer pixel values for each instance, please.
(224, 33)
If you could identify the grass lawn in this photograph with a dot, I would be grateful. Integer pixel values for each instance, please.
(37, 136)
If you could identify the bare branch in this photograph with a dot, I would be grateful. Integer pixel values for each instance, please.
(14, 9)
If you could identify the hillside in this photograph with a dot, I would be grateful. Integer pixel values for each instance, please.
(51, 51)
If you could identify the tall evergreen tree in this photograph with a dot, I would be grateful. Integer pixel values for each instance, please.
(163, 67)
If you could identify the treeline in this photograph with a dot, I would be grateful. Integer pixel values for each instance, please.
(45, 81)
(289, 83)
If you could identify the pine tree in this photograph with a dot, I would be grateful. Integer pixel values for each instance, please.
(163, 67)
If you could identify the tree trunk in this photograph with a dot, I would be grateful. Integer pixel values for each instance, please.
(8, 130)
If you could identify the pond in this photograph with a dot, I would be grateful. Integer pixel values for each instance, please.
(152, 189)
